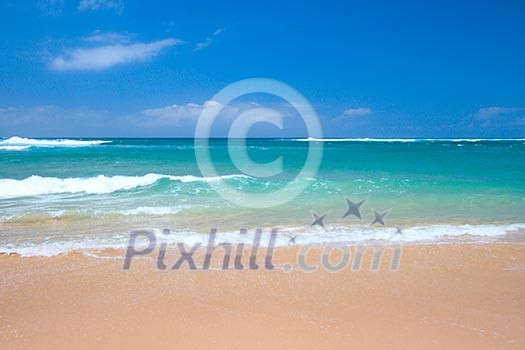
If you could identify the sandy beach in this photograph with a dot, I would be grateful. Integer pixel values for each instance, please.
(442, 296)
(262, 175)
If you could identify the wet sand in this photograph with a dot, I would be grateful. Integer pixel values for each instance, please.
(442, 297)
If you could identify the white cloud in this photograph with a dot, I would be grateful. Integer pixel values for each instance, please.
(46, 120)
(175, 114)
(93, 5)
(219, 31)
(208, 41)
(357, 112)
(99, 36)
(51, 7)
(103, 57)
(167, 121)
(495, 112)
(187, 111)
(203, 44)
(500, 116)
(8, 109)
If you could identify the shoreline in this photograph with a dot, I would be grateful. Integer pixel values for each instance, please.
(357, 235)
(455, 296)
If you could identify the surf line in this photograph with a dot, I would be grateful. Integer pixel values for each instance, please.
(187, 254)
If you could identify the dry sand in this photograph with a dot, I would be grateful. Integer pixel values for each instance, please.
(442, 297)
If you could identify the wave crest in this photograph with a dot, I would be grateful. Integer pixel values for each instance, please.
(38, 185)
(367, 139)
(22, 141)
(434, 234)
(13, 148)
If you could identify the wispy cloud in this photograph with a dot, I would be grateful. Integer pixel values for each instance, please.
(7, 109)
(357, 112)
(187, 111)
(51, 7)
(219, 31)
(50, 120)
(99, 36)
(93, 5)
(209, 40)
(203, 44)
(175, 114)
(494, 116)
(495, 112)
(118, 49)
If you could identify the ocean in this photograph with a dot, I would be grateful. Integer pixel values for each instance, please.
(58, 195)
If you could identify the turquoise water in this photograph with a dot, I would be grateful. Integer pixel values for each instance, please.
(54, 191)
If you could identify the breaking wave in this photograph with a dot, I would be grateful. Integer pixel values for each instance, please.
(22, 141)
(13, 148)
(38, 185)
(337, 236)
(366, 139)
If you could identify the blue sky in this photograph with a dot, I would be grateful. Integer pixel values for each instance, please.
(370, 68)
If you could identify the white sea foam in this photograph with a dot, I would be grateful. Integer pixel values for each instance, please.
(38, 185)
(22, 141)
(61, 214)
(362, 235)
(13, 148)
(430, 233)
(366, 139)
(57, 248)
(152, 210)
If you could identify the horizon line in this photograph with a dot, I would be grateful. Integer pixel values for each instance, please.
(298, 138)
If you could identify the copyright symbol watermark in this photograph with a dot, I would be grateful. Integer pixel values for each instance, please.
(238, 134)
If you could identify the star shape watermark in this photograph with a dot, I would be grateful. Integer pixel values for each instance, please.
(353, 208)
(318, 219)
(379, 217)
